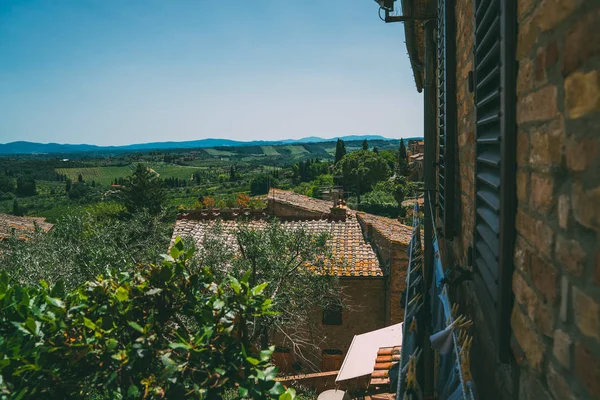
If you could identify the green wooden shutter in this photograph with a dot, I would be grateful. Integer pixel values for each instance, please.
(495, 191)
(446, 54)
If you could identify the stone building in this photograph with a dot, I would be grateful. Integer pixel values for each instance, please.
(512, 116)
(22, 227)
(368, 257)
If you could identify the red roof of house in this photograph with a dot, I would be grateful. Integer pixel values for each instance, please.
(23, 226)
(386, 358)
(352, 255)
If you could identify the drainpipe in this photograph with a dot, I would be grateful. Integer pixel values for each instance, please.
(430, 185)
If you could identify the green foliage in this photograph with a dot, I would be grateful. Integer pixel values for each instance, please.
(362, 169)
(294, 260)
(340, 150)
(7, 184)
(261, 183)
(84, 244)
(78, 190)
(25, 187)
(308, 170)
(163, 331)
(403, 168)
(143, 191)
(365, 145)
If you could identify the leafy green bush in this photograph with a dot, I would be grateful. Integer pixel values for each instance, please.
(164, 331)
(84, 245)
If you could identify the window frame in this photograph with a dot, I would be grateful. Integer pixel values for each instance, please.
(332, 311)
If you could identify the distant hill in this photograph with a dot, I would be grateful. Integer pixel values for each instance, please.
(22, 147)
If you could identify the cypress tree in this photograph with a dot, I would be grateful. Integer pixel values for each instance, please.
(365, 145)
(340, 150)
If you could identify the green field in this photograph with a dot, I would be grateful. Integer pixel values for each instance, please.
(269, 150)
(215, 152)
(101, 175)
(174, 171)
(296, 149)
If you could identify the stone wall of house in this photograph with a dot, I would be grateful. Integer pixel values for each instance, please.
(556, 282)
(393, 259)
(288, 211)
(363, 311)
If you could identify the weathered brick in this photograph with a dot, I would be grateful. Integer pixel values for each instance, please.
(525, 76)
(557, 384)
(527, 36)
(571, 255)
(523, 7)
(531, 387)
(597, 268)
(536, 232)
(580, 153)
(522, 148)
(544, 277)
(582, 93)
(561, 347)
(563, 211)
(551, 12)
(585, 206)
(551, 53)
(564, 299)
(547, 144)
(540, 66)
(537, 106)
(587, 314)
(531, 343)
(522, 255)
(582, 42)
(542, 198)
(522, 186)
(587, 368)
(540, 314)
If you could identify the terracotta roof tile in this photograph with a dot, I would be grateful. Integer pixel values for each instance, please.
(23, 226)
(352, 256)
(391, 229)
(300, 201)
(386, 358)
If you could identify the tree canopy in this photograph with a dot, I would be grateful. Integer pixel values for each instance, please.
(340, 150)
(261, 183)
(362, 169)
(143, 191)
(294, 261)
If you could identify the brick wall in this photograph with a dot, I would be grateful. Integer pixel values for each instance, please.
(363, 311)
(288, 211)
(556, 283)
(394, 263)
(556, 316)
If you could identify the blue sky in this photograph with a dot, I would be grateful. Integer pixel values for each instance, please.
(113, 72)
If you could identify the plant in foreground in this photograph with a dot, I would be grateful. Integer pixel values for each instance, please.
(163, 331)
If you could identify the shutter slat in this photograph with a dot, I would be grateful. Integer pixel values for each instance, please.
(489, 217)
(488, 279)
(489, 158)
(491, 179)
(490, 238)
(490, 198)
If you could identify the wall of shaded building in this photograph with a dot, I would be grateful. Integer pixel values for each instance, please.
(555, 322)
(363, 311)
(393, 259)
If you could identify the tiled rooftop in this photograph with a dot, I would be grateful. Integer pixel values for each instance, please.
(391, 229)
(300, 201)
(351, 254)
(23, 226)
(386, 358)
